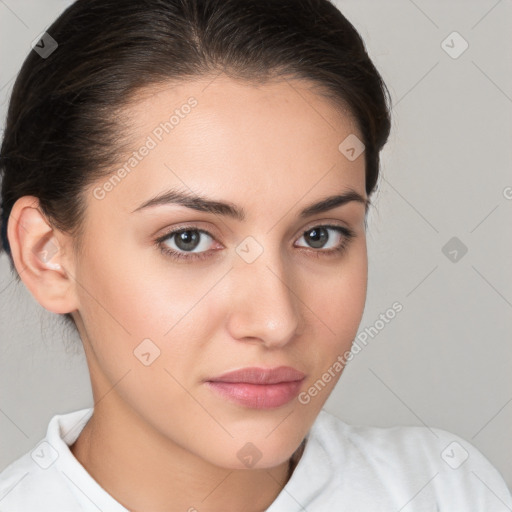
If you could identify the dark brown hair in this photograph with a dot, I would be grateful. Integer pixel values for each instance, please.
(62, 131)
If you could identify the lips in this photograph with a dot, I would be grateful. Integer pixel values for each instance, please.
(259, 388)
(261, 375)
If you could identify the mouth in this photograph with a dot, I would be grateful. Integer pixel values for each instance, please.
(259, 388)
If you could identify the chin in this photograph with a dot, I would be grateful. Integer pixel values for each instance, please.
(260, 450)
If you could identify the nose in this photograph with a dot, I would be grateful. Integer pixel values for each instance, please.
(265, 307)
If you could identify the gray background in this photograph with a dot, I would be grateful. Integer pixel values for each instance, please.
(445, 360)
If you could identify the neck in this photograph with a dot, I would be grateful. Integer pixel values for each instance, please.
(144, 471)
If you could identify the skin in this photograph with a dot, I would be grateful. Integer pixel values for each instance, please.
(159, 438)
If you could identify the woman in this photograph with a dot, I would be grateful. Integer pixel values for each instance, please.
(187, 182)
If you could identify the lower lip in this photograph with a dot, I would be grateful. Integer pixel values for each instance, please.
(258, 396)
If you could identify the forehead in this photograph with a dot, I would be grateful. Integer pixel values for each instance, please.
(236, 140)
(282, 101)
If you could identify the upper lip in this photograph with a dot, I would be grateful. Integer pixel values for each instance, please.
(255, 375)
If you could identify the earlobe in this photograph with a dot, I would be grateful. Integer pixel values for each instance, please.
(39, 257)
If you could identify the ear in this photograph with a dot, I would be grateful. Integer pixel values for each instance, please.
(42, 256)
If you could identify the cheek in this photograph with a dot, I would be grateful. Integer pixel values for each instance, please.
(337, 299)
(148, 326)
(338, 295)
(135, 292)
(352, 296)
(146, 307)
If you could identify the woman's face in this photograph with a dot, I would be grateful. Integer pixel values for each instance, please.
(264, 291)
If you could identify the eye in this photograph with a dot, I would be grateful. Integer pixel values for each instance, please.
(191, 243)
(187, 240)
(318, 236)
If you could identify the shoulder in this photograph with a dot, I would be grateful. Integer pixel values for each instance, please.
(45, 478)
(26, 486)
(415, 463)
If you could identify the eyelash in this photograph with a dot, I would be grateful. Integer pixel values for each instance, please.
(347, 233)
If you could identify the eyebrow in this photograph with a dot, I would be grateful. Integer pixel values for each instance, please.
(228, 209)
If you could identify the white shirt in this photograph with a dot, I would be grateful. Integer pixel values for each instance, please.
(343, 468)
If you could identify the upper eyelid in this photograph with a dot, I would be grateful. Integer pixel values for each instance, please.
(327, 223)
